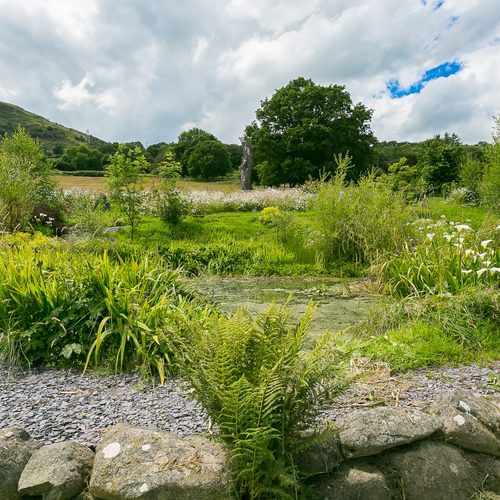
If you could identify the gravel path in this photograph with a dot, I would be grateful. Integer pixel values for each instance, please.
(56, 405)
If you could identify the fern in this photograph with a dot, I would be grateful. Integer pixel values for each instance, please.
(259, 384)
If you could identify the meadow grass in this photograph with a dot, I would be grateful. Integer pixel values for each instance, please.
(68, 182)
(435, 207)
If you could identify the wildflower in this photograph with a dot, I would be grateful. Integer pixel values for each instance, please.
(430, 236)
(462, 227)
(485, 243)
(466, 271)
(469, 251)
(487, 263)
(481, 271)
(448, 236)
(494, 269)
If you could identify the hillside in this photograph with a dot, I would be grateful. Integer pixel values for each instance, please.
(54, 137)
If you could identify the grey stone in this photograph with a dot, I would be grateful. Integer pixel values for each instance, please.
(16, 448)
(469, 421)
(141, 463)
(360, 481)
(488, 468)
(320, 454)
(57, 471)
(370, 432)
(432, 470)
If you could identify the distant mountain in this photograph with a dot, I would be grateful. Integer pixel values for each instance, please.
(54, 137)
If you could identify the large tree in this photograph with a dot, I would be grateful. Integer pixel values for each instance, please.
(209, 159)
(186, 143)
(303, 126)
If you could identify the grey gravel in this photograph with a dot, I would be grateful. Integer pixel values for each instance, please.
(57, 405)
(414, 389)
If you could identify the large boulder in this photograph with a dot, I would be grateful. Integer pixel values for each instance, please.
(57, 471)
(16, 448)
(432, 470)
(359, 481)
(370, 432)
(140, 463)
(488, 468)
(469, 421)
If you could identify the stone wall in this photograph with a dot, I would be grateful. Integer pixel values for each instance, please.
(449, 452)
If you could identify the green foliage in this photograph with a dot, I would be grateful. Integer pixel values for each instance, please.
(262, 388)
(489, 187)
(358, 223)
(171, 206)
(440, 160)
(470, 173)
(389, 152)
(186, 142)
(24, 180)
(235, 152)
(300, 129)
(433, 330)
(59, 306)
(81, 157)
(126, 183)
(405, 179)
(209, 159)
(447, 258)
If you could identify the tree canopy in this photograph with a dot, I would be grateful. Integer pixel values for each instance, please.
(186, 143)
(209, 159)
(303, 126)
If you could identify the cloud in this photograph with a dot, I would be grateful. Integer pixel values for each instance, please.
(129, 70)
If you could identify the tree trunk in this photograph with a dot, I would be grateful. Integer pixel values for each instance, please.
(246, 164)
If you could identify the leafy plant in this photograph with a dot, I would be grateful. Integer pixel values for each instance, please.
(126, 182)
(446, 258)
(262, 388)
(24, 180)
(59, 308)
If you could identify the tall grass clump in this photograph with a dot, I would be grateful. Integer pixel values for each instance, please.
(262, 388)
(59, 307)
(358, 223)
(418, 332)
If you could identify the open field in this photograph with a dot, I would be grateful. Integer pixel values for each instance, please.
(99, 184)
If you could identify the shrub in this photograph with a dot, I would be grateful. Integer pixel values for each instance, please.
(463, 196)
(24, 180)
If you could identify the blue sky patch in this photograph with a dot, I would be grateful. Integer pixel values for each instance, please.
(442, 71)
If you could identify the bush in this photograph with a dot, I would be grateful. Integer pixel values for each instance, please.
(24, 181)
(463, 196)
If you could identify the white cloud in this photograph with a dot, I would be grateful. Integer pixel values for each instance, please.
(73, 97)
(152, 68)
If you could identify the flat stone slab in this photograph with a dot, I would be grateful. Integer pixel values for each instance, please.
(469, 420)
(141, 463)
(57, 471)
(365, 433)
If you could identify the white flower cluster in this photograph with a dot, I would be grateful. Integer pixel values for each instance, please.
(247, 201)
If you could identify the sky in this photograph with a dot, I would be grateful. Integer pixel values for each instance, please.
(147, 70)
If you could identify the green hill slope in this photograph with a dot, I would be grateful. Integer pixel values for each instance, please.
(54, 137)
